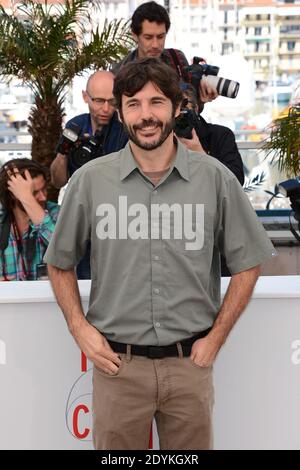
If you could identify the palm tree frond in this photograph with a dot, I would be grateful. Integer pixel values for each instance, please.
(45, 46)
(283, 144)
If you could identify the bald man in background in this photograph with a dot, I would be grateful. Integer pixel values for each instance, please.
(102, 117)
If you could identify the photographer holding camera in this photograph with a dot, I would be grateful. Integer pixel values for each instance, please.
(101, 119)
(198, 135)
(89, 136)
(150, 24)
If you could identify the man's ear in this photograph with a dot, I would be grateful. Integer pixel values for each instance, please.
(135, 37)
(84, 96)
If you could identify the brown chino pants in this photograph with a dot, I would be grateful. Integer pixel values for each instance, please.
(175, 391)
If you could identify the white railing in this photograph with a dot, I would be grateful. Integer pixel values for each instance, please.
(256, 166)
(19, 146)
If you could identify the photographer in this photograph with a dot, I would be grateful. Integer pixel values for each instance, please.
(102, 121)
(150, 24)
(102, 117)
(27, 221)
(212, 139)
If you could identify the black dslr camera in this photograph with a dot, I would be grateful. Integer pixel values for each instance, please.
(224, 86)
(291, 189)
(186, 122)
(78, 147)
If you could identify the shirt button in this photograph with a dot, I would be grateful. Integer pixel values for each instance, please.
(155, 191)
(157, 324)
(156, 291)
(156, 258)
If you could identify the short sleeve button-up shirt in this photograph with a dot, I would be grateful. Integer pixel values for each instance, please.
(155, 250)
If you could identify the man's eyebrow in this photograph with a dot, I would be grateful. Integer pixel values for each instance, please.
(152, 35)
(136, 100)
(159, 97)
(132, 100)
(40, 189)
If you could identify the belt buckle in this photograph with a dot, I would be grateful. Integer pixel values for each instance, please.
(156, 352)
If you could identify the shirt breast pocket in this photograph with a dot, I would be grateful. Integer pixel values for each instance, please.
(190, 235)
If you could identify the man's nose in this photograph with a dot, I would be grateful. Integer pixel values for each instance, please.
(154, 43)
(42, 196)
(146, 111)
(105, 107)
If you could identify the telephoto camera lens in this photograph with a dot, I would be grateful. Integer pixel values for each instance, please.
(224, 86)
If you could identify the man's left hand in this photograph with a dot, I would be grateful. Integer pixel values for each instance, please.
(206, 91)
(204, 352)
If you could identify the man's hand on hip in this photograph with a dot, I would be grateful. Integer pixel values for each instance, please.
(204, 352)
(95, 346)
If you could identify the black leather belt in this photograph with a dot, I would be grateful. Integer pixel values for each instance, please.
(159, 352)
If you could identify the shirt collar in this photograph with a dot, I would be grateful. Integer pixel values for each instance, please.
(181, 162)
(128, 163)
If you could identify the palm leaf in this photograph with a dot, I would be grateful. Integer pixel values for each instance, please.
(45, 46)
(253, 183)
(283, 144)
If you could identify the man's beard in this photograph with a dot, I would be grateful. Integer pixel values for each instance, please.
(166, 131)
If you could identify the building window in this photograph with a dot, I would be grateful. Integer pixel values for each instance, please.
(257, 31)
(227, 49)
(291, 45)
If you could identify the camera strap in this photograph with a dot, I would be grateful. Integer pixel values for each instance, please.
(5, 227)
(104, 135)
(18, 239)
(175, 57)
(4, 236)
(4, 231)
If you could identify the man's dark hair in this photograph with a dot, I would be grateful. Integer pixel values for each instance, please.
(189, 92)
(135, 75)
(152, 12)
(21, 164)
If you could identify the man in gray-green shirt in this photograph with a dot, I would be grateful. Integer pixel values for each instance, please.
(158, 216)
